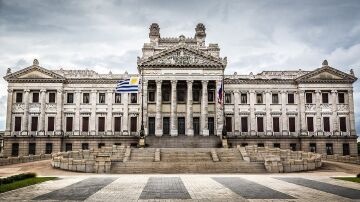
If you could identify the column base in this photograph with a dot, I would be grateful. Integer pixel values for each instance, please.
(174, 132)
(7, 133)
(205, 132)
(236, 132)
(158, 133)
(125, 132)
(190, 132)
(109, 132)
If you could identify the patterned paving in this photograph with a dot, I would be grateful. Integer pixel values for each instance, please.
(188, 188)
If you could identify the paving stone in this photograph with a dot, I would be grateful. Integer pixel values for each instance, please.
(165, 188)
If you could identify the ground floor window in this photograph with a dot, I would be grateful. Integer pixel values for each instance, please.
(343, 124)
(276, 145)
(166, 125)
(244, 124)
(260, 124)
(48, 148)
(101, 145)
(101, 126)
(292, 124)
(260, 145)
(346, 149)
(133, 124)
(151, 126)
(329, 149)
(17, 123)
(85, 124)
(310, 124)
(15, 149)
(196, 125)
(293, 146)
(117, 124)
(244, 144)
(211, 125)
(312, 147)
(85, 146)
(68, 147)
(228, 122)
(276, 124)
(32, 148)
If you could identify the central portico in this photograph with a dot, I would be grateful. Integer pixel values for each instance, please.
(180, 77)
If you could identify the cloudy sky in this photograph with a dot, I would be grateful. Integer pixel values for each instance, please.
(108, 35)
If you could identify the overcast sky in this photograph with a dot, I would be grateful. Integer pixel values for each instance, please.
(108, 35)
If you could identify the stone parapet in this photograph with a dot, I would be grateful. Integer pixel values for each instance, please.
(344, 159)
(23, 159)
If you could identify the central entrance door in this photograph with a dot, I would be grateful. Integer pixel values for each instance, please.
(211, 125)
(196, 125)
(166, 125)
(181, 125)
(151, 126)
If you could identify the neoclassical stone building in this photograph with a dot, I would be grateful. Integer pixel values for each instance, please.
(59, 110)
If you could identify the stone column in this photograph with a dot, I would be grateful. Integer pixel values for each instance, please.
(109, 121)
(93, 102)
(9, 112)
(189, 109)
(284, 117)
(318, 110)
(219, 111)
(252, 112)
(59, 111)
(334, 118)
(302, 117)
(204, 108)
(158, 117)
(125, 119)
(42, 109)
(351, 113)
(237, 111)
(173, 115)
(145, 107)
(268, 101)
(26, 125)
(77, 112)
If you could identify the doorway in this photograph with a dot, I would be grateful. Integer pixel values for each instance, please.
(181, 125)
(196, 125)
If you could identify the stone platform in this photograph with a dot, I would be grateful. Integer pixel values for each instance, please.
(183, 141)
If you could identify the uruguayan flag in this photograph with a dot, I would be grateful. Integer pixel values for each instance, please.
(128, 85)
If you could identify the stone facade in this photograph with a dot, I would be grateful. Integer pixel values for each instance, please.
(59, 110)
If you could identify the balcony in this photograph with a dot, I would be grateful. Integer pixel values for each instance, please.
(343, 107)
(310, 107)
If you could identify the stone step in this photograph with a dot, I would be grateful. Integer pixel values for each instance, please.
(183, 142)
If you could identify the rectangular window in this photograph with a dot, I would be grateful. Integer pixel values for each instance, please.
(35, 97)
(70, 98)
(101, 98)
(118, 98)
(276, 145)
(15, 149)
(166, 95)
(244, 144)
(48, 148)
(68, 147)
(34, 123)
(101, 124)
(260, 145)
(133, 98)
(19, 97)
(292, 124)
(151, 96)
(196, 96)
(52, 98)
(276, 124)
(260, 124)
(346, 149)
(310, 124)
(309, 98)
(341, 98)
(32, 148)
(293, 146)
(211, 96)
(166, 126)
(51, 123)
(133, 124)
(244, 124)
(101, 145)
(329, 149)
(17, 124)
(181, 95)
(325, 98)
(117, 124)
(228, 124)
(69, 124)
(85, 146)
(291, 98)
(275, 98)
(259, 98)
(312, 147)
(151, 128)
(86, 98)
(85, 124)
(228, 98)
(342, 124)
(326, 122)
(243, 98)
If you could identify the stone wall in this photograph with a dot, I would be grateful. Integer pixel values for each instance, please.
(344, 159)
(282, 161)
(23, 159)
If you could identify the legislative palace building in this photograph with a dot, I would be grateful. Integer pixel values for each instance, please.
(61, 110)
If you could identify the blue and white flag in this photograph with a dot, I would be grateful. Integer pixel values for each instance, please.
(128, 85)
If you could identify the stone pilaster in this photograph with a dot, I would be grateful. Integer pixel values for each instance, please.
(26, 125)
(59, 112)
(189, 109)
(302, 117)
(42, 109)
(93, 102)
(8, 128)
(204, 108)
(268, 102)
(125, 118)
(77, 112)
(219, 111)
(145, 107)
(318, 110)
(109, 120)
(334, 125)
(173, 115)
(252, 112)
(158, 121)
(237, 112)
(351, 113)
(284, 118)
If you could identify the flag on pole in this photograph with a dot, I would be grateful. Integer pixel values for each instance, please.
(220, 92)
(128, 85)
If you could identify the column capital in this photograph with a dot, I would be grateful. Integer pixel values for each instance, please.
(60, 90)
(204, 82)
(251, 91)
(109, 91)
(236, 91)
(189, 82)
(9, 90)
(301, 91)
(173, 82)
(267, 91)
(77, 91)
(26, 90)
(350, 91)
(283, 91)
(94, 91)
(43, 90)
(334, 91)
(158, 82)
(317, 91)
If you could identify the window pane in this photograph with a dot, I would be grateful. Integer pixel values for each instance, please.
(275, 98)
(308, 98)
(329, 148)
(101, 97)
(51, 123)
(227, 97)
(292, 124)
(244, 124)
(259, 98)
(228, 124)
(85, 146)
(86, 98)
(243, 98)
(32, 148)
(34, 123)
(310, 124)
(276, 126)
(211, 95)
(341, 98)
(17, 124)
(35, 98)
(101, 126)
(260, 124)
(291, 99)
(133, 98)
(51, 97)
(343, 124)
(70, 98)
(68, 147)
(326, 121)
(19, 97)
(117, 97)
(325, 98)
(117, 124)
(151, 96)
(85, 124)
(69, 123)
(48, 148)
(133, 124)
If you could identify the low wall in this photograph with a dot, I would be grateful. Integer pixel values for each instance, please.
(344, 159)
(277, 160)
(23, 159)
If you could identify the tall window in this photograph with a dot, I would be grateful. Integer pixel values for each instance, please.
(34, 123)
(326, 122)
(48, 148)
(276, 145)
(342, 124)
(181, 95)
(133, 98)
(117, 124)
(133, 124)
(293, 146)
(211, 95)
(15, 149)
(291, 98)
(68, 147)
(117, 98)
(35, 97)
(101, 145)
(310, 124)
(85, 124)
(228, 124)
(19, 97)
(341, 98)
(312, 147)
(292, 124)
(101, 122)
(243, 98)
(196, 93)
(51, 123)
(346, 149)
(165, 93)
(275, 98)
(276, 124)
(69, 124)
(86, 98)
(259, 98)
(52, 98)
(70, 98)
(85, 146)
(101, 98)
(32, 148)
(228, 98)
(325, 98)
(244, 124)
(260, 124)
(329, 149)
(308, 98)
(151, 96)
(17, 124)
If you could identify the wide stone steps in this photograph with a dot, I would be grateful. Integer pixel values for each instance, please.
(183, 142)
(228, 155)
(143, 155)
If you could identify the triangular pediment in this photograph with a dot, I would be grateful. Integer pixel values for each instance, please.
(35, 73)
(182, 56)
(327, 74)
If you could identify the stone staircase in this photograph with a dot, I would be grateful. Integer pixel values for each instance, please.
(183, 142)
(143, 155)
